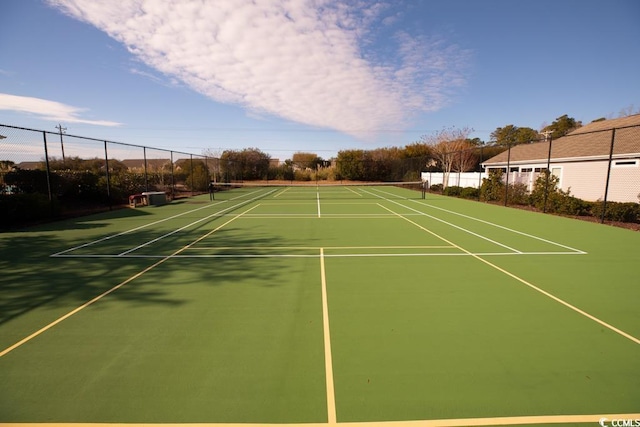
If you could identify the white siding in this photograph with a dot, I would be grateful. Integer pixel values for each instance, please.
(585, 180)
(624, 184)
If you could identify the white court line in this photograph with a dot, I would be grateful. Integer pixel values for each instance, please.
(118, 286)
(502, 227)
(352, 255)
(315, 248)
(318, 199)
(453, 225)
(328, 361)
(354, 192)
(524, 282)
(489, 223)
(133, 229)
(146, 225)
(218, 214)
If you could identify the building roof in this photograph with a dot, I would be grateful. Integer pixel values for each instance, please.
(151, 163)
(29, 165)
(589, 142)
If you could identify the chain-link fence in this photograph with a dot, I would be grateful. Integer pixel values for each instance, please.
(586, 173)
(49, 174)
(590, 172)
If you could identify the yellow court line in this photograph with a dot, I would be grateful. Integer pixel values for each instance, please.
(593, 419)
(521, 280)
(115, 288)
(328, 361)
(282, 192)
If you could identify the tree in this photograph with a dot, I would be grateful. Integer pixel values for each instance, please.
(562, 126)
(449, 148)
(6, 165)
(198, 178)
(628, 111)
(466, 158)
(475, 141)
(306, 160)
(250, 163)
(382, 164)
(417, 149)
(513, 135)
(351, 165)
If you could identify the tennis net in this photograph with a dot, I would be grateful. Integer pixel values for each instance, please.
(296, 190)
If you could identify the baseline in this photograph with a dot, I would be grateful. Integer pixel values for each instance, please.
(453, 422)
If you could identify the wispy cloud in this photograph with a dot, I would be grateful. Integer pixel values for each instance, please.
(309, 61)
(49, 110)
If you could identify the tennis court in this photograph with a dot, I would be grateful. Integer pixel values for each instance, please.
(320, 305)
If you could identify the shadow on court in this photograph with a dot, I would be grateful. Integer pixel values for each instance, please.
(31, 279)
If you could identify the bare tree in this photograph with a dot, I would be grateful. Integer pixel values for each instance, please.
(448, 147)
(466, 158)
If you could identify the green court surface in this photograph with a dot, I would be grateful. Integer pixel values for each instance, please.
(337, 305)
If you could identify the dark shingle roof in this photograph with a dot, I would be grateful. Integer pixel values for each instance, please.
(588, 142)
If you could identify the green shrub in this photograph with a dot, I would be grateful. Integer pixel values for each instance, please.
(518, 194)
(436, 188)
(453, 191)
(555, 200)
(574, 206)
(470, 193)
(623, 212)
(411, 176)
(21, 208)
(492, 189)
(302, 175)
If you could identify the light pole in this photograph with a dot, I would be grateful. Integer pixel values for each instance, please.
(61, 130)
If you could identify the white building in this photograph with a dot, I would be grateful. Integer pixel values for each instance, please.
(581, 161)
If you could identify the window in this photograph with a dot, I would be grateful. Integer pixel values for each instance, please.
(625, 163)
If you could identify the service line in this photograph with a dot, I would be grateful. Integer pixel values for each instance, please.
(519, 279)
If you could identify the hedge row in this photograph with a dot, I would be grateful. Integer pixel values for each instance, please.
(554, 201)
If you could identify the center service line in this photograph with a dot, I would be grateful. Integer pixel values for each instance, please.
(328, 363)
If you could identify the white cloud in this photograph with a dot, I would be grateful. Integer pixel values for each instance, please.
(309, 61)
(49, 110)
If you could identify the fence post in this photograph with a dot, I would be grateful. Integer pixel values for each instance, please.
(146, 181)
(108, 176)
(506, 187)
(173, 190)
(192, 187)
(46, 160)
(606, 188)
(547, 176)
(480, 175)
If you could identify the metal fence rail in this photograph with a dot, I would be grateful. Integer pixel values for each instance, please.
(55, 174)
(585, 173)
(593, 173)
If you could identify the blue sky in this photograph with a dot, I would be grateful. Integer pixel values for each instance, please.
(312, 75)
